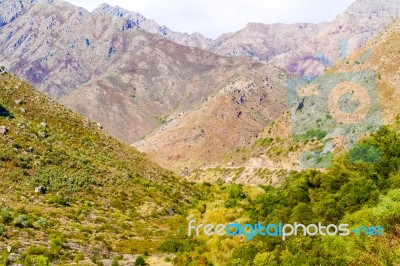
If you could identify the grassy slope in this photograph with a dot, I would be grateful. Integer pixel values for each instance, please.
(103, 199)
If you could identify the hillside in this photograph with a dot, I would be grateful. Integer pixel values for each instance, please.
(231, 117)
(270, 157)
(102, 200)
(150, 82)
(130, 80)
(353, 194)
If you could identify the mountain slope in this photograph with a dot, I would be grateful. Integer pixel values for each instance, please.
(102, 198)
(153, 79)
(263, 42)
(229, 118)
(135, 20)
(65, 49)
(353, 26)
(269, 158)
(294, 47)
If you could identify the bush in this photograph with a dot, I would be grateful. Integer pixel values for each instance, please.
(4, 258)
(364, 153)
(42, 222)
(115, 262)
(174, 246)
(236, 192)
(171, 246)
(38, 251)
(58, 201)
(140, 261)
(22, 221)
(41, 261)
(264, 259)
(6, 216)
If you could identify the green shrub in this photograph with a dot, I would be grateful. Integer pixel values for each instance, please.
(22, 221)
(140, 261)
(41, 261)
(115, 262)
(58, 201)
(4, 258)
(42, 222)
(364, 153)
(6, 216)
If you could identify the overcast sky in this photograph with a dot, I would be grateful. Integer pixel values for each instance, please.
(214, 17)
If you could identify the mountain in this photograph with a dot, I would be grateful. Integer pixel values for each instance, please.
(128, 80)
(271, 157)
(151, 81)
(294, 47)
(269, 43)
(135, 20)
(264, 42)
(66, 49)
(71, 193)
(231, 117)
(134, 78)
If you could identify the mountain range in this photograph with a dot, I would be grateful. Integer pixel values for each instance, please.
(102, 184)
(156, 88)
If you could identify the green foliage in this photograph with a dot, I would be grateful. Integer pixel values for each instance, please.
(311, 134)
(22, 221)
(41, 261)
(140, 261)
(243, 255)
(42, 222)
(364, 153)
(95, 185)
(79, 257)
(4, 258)
(265, 259)
(235, 194)
(115, 262)
(264, 141)
(6, 216)
(181, 245)
(58, 200)
(357, 190)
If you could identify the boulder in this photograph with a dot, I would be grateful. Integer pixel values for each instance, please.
(40, 190)
(3, 130)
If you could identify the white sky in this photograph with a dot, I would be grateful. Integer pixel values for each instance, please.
(214, 17)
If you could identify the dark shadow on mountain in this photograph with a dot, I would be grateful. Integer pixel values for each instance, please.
(5, 113)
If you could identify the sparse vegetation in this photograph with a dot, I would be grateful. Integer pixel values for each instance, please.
(99, 193)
